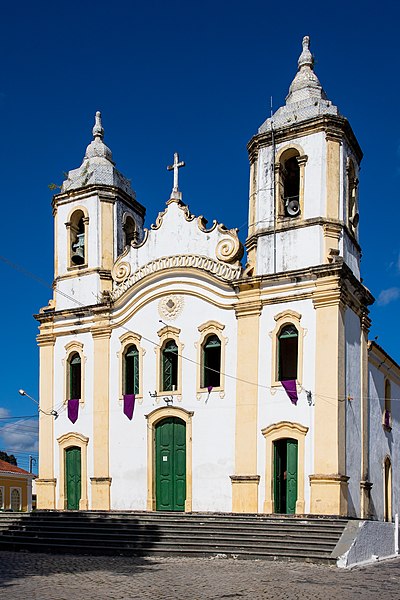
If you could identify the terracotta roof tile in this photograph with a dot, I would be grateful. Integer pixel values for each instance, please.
(9, 468)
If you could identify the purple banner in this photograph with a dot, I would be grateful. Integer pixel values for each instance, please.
(73, 410)
(129, 405)
(290, 389)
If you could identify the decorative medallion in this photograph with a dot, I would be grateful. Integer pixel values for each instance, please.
(170, 307)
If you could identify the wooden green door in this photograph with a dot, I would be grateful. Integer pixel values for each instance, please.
(285, 476)
(170, 464)
(291, 476)
(73, 477)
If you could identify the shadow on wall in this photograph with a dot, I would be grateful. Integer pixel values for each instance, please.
(74, 533)
(351, 510)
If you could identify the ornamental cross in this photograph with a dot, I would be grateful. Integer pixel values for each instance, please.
(177, 165)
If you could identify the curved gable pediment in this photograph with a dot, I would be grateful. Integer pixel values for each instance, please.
(179, 240)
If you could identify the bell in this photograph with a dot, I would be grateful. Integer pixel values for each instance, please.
(78, 256)
(292, 206)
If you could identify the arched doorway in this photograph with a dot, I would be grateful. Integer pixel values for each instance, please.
(73, 477)
(170, 464)
(285, 476)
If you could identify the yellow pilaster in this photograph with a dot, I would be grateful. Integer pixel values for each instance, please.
(332, 175)
(46, 483)
(332, 233)
(245, 480)
(101, 481)
(329, 482)
(253, 198)
(107, 241)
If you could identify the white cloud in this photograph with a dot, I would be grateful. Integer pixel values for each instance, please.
(4, 413)
(19, 436)
(388, 295)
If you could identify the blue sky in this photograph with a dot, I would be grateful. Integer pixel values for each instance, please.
(192, 77)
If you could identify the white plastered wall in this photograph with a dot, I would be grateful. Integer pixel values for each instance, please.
(84, 424)
(79, 288)
(274, 405)
(213, 423)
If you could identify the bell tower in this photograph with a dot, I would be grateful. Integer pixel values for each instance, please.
(95, 216)
(304, 164)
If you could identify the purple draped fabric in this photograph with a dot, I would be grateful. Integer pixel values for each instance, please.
(73, 409)
(209, 389)
(290, 389)
(129, 405)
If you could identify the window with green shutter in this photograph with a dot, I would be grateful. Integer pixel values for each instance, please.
(170, 366)
(131, 370)
(287, 352)
(75, 376)
(211, 362)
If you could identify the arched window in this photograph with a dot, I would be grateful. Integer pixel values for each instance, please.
(287, 352)
(15, 499)
(169, 366)
(77, 239)
(75, 376)
(387, 414)
(289, 183)
(131, 370)
(130, 230)
(211, 362)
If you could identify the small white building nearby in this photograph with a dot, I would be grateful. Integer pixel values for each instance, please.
(185, 380)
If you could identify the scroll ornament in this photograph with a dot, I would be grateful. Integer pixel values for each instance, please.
(121, 271)
(229, 249)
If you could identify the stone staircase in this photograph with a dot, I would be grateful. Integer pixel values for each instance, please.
(171, 534)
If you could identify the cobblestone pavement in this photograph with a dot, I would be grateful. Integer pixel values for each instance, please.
(62, 577)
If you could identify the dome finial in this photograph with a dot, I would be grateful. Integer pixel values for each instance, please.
(98, 131)
(306, 58)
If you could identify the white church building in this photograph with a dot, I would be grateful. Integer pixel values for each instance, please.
(175, 377)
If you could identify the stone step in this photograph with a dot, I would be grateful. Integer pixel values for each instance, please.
(173, 515)
(175, 533)
(183, 548)
(171, 551)
(156, 537)
(194, 534)
(167, 527)
(78, 520)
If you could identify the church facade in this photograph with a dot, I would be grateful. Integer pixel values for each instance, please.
(174, 377)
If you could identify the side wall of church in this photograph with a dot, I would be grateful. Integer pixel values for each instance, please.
(385, 443)
(353, 410)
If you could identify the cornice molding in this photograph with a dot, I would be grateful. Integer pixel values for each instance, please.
(334, 125)
(289, 223)
(46, 339)
(103, 331)
(248, 308)
(106, 193)
(81, 272)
